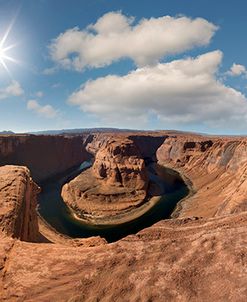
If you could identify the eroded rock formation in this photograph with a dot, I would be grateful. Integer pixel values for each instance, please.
(216, 167)
(18, 217)
(116, 183)
(184, 259)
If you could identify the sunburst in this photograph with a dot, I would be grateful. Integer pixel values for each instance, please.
(5, 48)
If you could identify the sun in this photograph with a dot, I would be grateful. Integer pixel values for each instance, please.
(4, 50)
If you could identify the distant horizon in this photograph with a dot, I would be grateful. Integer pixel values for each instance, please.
(108, 129)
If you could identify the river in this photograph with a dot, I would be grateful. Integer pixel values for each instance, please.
(58, 215)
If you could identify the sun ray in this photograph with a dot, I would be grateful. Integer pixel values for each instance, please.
(5, 36)
(4, 49)
(4, 66)
(9, 47)
(11, 59)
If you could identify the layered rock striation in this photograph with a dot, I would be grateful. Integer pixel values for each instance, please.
(116, 183)
(216, 168)
(18, 194)
(44, 155)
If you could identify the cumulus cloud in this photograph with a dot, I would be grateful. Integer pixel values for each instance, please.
(115, 36)
(46, 111)
(181, 92)
(13, 89)
(237, 70)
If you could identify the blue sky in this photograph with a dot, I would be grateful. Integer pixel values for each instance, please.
(132, 68)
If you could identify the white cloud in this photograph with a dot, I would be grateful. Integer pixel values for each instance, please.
(49, 71)
(115, 36)
(39, 94)
(182, 92)
(14, 89)
(46, 111)
(237, 70)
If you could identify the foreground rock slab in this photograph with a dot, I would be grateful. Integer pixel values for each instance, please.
(179, 260)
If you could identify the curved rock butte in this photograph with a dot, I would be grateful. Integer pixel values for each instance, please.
(200, 255)
(116, 183)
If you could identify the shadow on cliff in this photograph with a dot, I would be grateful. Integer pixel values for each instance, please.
(148, 145)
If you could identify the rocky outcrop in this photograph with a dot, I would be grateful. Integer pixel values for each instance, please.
(177, 260)
(217, 168)
(18, 217)
(119, 163)
(44, 155)
(117, 182)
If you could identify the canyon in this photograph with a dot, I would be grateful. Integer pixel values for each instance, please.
(198, 255)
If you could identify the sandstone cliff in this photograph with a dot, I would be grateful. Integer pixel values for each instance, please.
(148, 144)
(116, 183)
(44, 155)
(178, 260)
(119, 162)
(217, 167)
(18, 217)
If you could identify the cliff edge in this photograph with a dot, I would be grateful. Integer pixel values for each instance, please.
(18, 193)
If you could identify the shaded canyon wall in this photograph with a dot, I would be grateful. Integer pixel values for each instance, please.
(44, 155)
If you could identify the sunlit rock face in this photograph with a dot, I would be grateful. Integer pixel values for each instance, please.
(117, 181)
(18, 194)
(217, 167)
(119, 162)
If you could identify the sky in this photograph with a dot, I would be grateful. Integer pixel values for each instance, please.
(157, 64)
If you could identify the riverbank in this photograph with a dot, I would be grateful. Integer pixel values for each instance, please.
(181, 205)
(160, 206)
(136, 212)
(49, 234)
(121, 218)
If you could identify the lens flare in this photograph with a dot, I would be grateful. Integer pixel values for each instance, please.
(4, 49)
